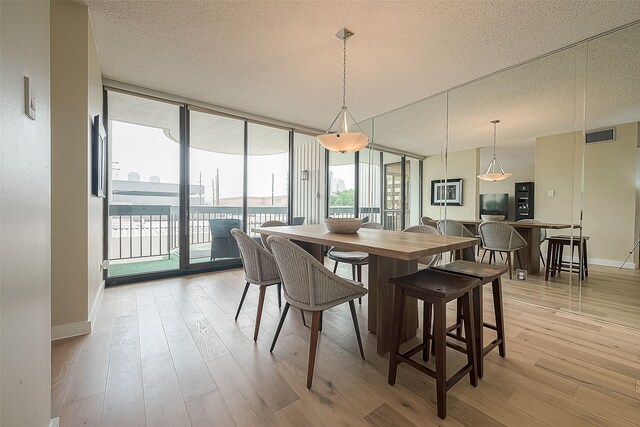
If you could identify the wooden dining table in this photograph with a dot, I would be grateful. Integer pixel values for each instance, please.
(530, 254)
(391, 254)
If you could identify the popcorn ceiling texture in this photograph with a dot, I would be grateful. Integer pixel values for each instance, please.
(281, 59)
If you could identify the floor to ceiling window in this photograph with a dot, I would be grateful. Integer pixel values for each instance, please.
(216, 179)
(144, 196)
(308, 179)
(369, 184)
(267, 175)
(342, 185)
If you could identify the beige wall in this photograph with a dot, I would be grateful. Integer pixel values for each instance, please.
(76, 96)
(461, 164)
(95, 204)
(610, 189)
(610, 195)
(558, 169)
(25, 225)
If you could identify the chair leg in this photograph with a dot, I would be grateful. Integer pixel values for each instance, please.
(542, 259)
(280, 323)
(440, 338)
(320, 324)
(335, 267)
(496, 290)
(359, 270)
(459, 316)
(484, 252)
(469, 335)
(501, 257)
(352, 307)
(426, 329)
(263, 292)
(279, 295)
(396, 330)
(304, 321)
(244, 294)
(353, 272)
(585, 264)
(509, 265)
(313, 345)
(478, 313)
(549, 261)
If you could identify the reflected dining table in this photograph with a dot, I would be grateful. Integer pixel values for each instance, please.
(391, 254)
(530, 254)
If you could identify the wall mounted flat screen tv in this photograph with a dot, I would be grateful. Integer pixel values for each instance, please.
(494, 204)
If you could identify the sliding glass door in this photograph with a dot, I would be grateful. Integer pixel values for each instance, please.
(144, 187)
(216, 187)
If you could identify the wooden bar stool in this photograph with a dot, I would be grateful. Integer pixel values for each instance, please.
(435, 288)
(555, 248)
(486, 274)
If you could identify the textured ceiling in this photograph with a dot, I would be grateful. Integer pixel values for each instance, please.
(281, 59)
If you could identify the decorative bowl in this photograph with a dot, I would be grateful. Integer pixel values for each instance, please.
(492, 217)
(343, 225)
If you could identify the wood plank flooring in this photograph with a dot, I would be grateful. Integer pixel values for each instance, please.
(169, 353)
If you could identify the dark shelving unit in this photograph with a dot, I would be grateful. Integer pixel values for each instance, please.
(524, 200)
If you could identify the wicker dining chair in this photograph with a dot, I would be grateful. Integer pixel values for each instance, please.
(259, 269)
(425, 220)
(500, 237)
(426, 229)
(356, 258)
(450, 227)
(263, 237)
(310, 286)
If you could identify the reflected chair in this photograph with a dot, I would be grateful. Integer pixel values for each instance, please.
(426, 229)
(309, 285)
(425, 220)
(543, 234)
(500, 237)
(356, 258)
(223, 245)
(297, 220)
(450, 227)
(272, 223)
(259, 269)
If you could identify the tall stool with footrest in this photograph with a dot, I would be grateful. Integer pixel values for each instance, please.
(435, 289)
(486, 274)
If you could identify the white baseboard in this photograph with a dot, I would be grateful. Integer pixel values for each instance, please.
(96, 303)
(55, 422)
(70, 330)
(604, 262)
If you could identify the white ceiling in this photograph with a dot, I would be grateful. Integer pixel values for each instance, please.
(280, 59)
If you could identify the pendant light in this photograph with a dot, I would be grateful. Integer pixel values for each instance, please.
(494, 171)
(342, 140)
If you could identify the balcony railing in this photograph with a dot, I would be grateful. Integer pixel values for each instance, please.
(143, 231)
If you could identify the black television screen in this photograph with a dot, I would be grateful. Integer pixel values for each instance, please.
(494, 204)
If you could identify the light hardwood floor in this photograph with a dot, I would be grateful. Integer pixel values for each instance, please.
(168, 353)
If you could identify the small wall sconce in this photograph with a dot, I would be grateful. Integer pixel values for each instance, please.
(304, 175)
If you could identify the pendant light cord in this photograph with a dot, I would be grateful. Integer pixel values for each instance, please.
(344, 74)
(494, 140)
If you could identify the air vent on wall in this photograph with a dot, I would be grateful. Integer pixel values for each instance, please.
(602, 135)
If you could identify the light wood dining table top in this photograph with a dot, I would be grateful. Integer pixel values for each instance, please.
(391, 244)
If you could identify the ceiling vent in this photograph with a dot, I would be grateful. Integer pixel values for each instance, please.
(602, 135)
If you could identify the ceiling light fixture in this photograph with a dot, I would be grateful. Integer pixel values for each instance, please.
(491, 174)
(342, 140)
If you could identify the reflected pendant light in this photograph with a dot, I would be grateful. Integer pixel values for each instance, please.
(494, 171)
(341, 139)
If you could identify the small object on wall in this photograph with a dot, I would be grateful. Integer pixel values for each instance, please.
(551, 193)
(304, 175)
(98, 159)
(449, 192)
(521, 274)
(29, 100)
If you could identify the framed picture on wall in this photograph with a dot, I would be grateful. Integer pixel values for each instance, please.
(98, 158)
(449, 192)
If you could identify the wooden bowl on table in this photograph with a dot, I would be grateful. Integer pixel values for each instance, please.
(343, 225)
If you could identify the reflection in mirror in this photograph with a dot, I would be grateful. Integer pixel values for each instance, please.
(341, 186)
(370, 188)
(611, 202)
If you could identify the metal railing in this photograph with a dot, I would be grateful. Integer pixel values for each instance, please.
(144, 231)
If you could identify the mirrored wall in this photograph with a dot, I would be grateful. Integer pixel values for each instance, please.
(568, 133)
